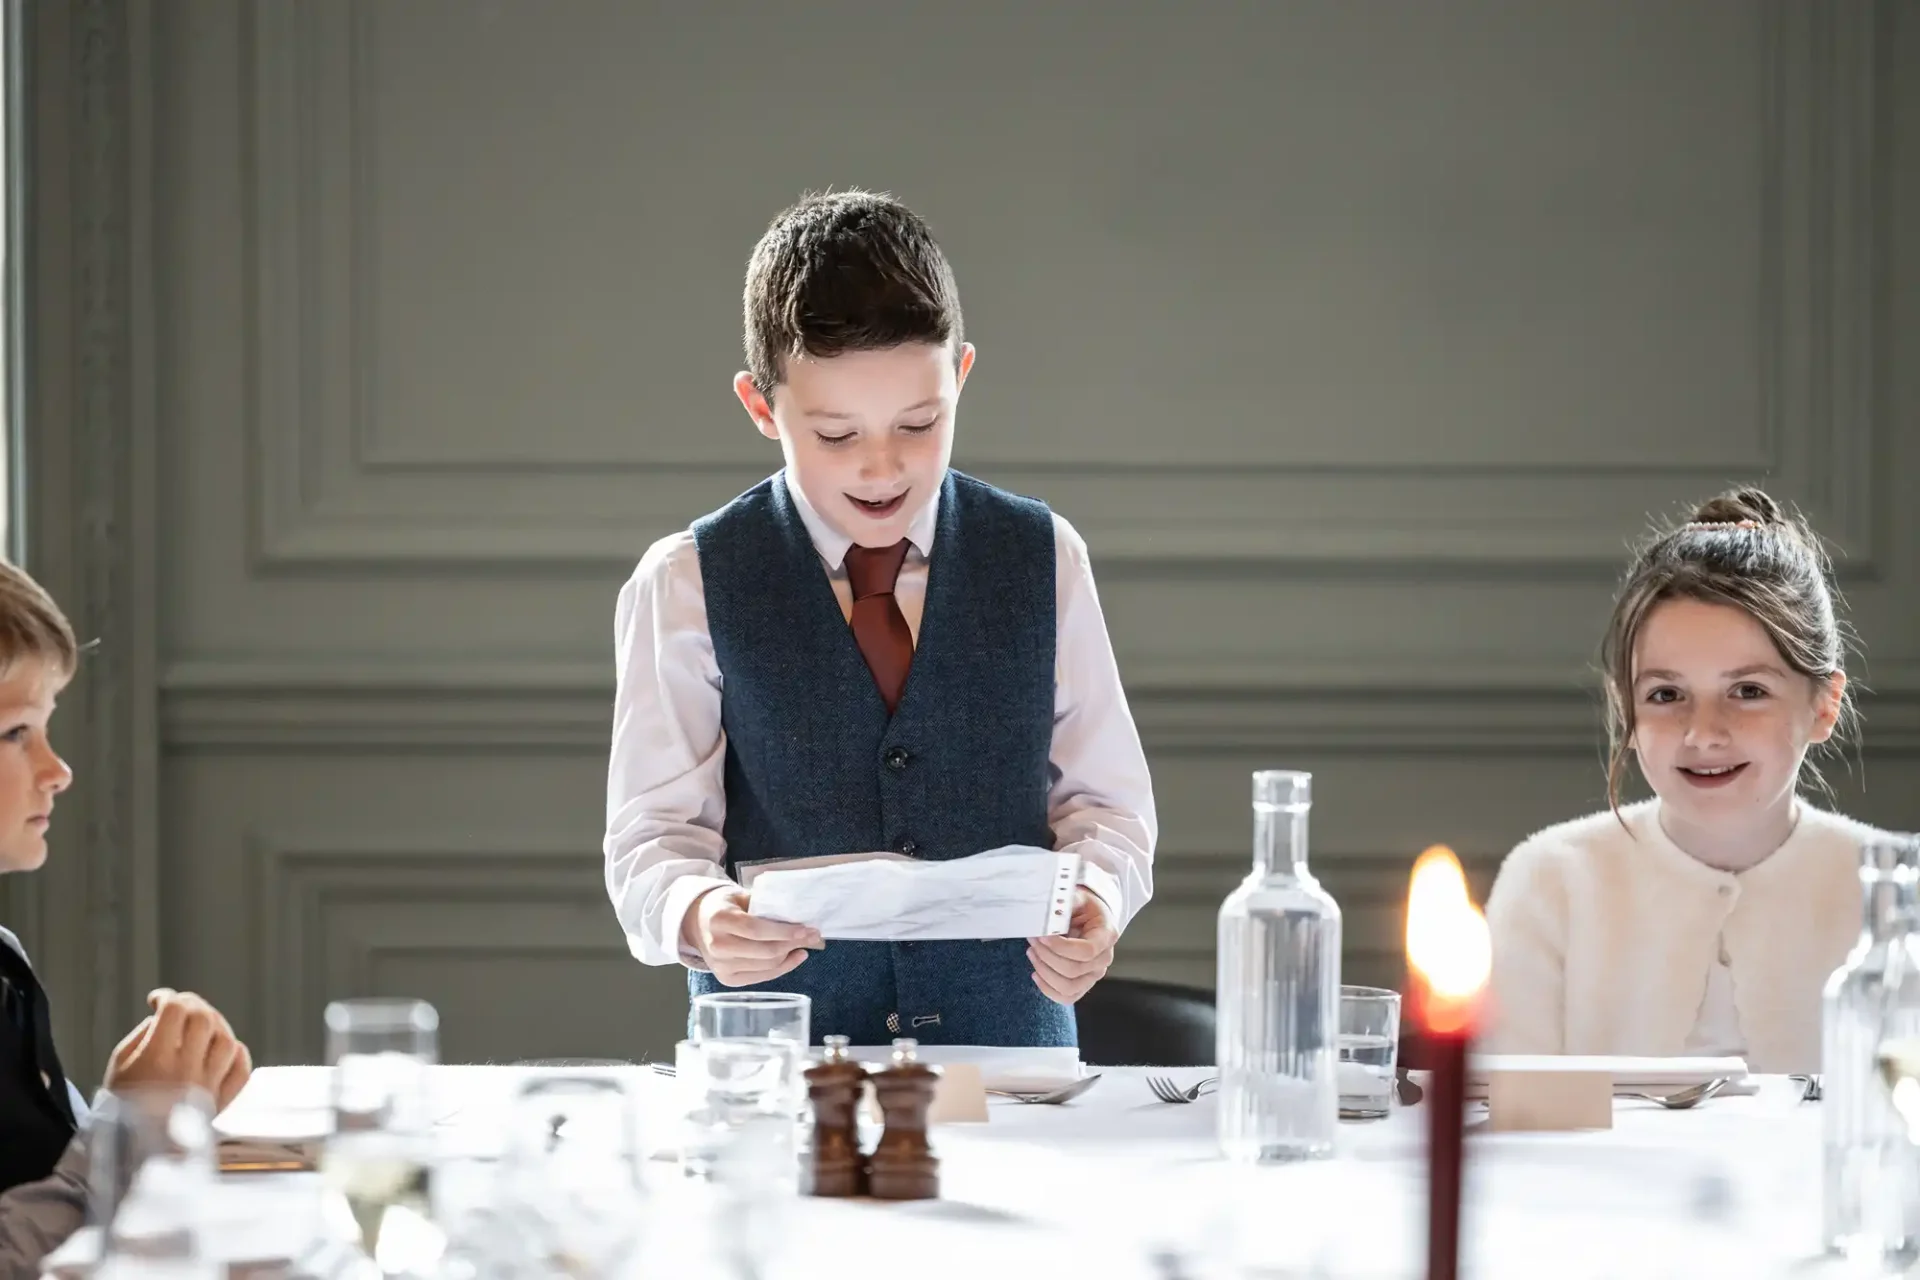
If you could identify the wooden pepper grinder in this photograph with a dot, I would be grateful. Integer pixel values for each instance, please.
(834, 1088)
(903, 1167)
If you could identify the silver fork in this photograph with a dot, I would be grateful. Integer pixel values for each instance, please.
(1163, 1088)
(1683, 1099)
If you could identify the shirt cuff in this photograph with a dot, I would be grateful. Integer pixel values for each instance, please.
(1104, 885)
(680, 897)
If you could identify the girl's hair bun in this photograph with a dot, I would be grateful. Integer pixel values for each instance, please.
(1740, 506)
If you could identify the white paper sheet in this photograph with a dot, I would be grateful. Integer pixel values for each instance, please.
(1014, 892)
(748, 872)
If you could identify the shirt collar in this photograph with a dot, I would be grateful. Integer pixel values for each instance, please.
(832, 544)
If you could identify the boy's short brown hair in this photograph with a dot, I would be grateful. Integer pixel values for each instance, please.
(845, 271)
(32, 628)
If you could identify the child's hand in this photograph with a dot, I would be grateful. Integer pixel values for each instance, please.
(742, 949)
(184, 1041)
(1066, 967)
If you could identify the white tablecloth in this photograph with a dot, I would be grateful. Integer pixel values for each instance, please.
(1731, 1188)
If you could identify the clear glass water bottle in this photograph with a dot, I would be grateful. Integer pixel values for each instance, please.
(1872, 1168)
(1277, 1046)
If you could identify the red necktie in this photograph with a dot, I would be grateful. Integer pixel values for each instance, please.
(879, 628)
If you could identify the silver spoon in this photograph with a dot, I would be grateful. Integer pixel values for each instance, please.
(1683, 1099)
(1052, 1098)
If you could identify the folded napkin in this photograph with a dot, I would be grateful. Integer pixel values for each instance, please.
(1630, 1074)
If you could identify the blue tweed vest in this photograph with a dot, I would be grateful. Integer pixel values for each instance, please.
(815, 765)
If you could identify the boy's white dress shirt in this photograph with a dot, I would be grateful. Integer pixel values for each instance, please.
(666, 795)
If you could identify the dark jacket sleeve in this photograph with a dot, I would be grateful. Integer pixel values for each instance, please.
(37, 1217)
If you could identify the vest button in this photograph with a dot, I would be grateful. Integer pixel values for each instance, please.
(909, 848)
(897, 757)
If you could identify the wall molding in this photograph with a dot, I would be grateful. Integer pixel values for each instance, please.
(91, 916)
(1175, 936)
(567, 707)
(317, 900)
(332, 496)
(301, 889)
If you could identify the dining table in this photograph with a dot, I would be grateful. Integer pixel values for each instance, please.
(1117, 1183)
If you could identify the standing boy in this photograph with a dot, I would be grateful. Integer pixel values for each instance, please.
(865, 652)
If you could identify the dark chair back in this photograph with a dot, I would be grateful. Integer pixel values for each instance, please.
(1133, 1022)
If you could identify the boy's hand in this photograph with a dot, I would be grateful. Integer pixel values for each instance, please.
(742, 949)
(184, 1041)
(1067, 966)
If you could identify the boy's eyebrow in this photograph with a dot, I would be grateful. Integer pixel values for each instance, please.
(836, 416)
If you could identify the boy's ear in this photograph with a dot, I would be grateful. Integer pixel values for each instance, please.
(964, 367)
(755, 404)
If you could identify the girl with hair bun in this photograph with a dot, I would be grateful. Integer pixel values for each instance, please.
(1705, 920)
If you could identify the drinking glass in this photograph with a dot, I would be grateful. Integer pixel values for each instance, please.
(573, 1164)
(752, 1015)
(377, 1160)
(737, 1086)
(1369, 1047)
(151, 1172)
(781, 1016)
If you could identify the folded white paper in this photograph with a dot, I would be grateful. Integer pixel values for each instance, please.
(1014, 892)
(748, 872)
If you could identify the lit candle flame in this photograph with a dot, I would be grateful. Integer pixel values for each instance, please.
(1447, 941)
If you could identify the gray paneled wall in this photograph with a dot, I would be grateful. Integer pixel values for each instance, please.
(1357, 339)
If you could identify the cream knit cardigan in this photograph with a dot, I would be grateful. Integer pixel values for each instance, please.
(1603, 938)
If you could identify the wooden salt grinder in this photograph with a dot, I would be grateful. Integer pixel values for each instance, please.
(903, 1167)
(836, 1167)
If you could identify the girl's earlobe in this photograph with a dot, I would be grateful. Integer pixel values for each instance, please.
(1830, 700)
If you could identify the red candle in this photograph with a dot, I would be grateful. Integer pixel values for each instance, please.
(1448, 959)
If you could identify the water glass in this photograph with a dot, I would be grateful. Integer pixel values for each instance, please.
(573, 1167)
(752, 1015)
(381, 1052)
(1369, 1048)
(377, 1160)
(564, 1119)
(737, 1086)
(781, 1016)
(152, 1170)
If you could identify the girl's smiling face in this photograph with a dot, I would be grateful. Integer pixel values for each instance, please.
(1721, 721)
